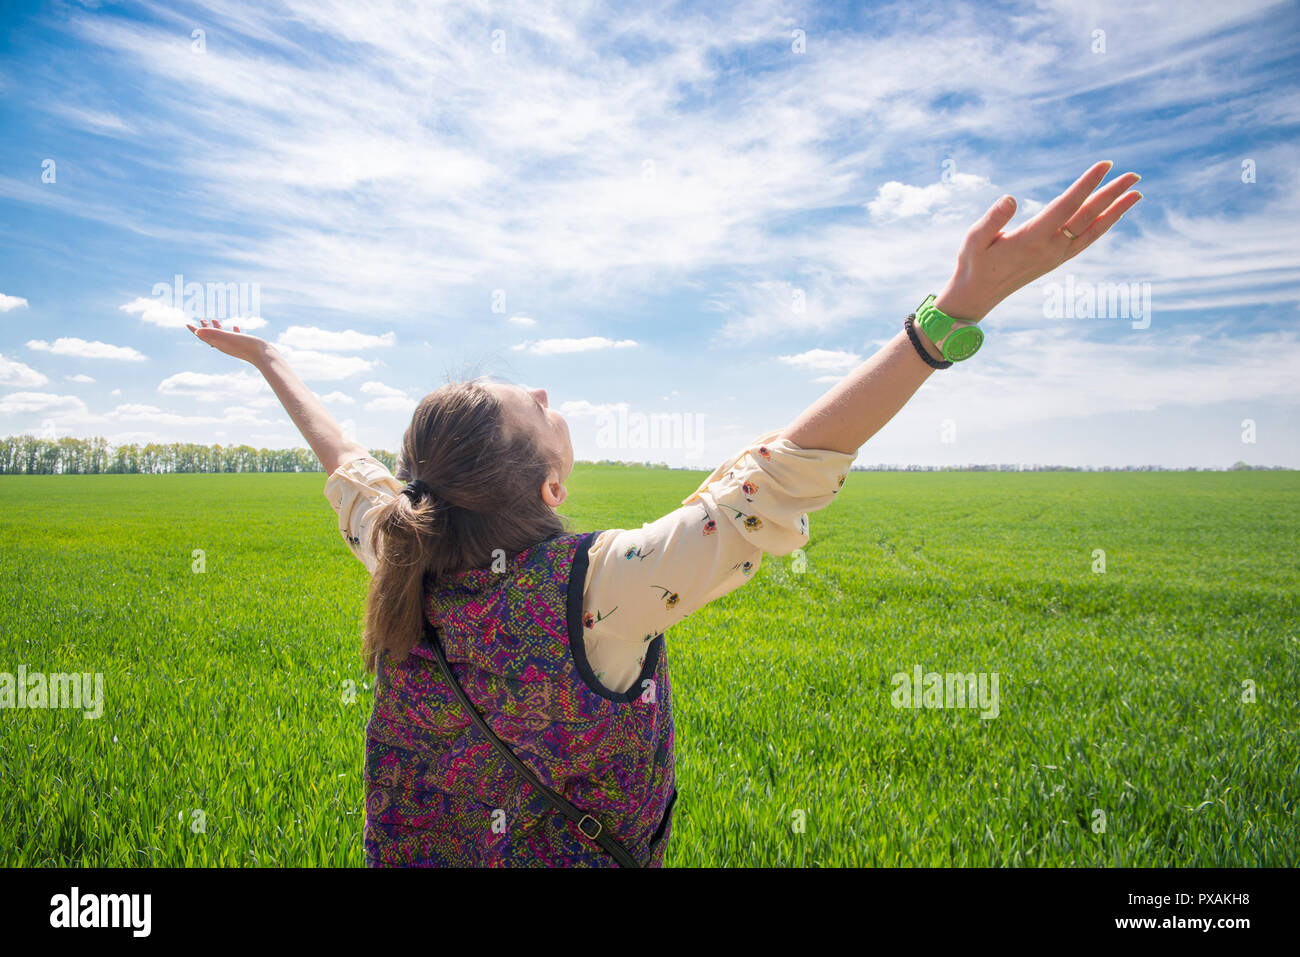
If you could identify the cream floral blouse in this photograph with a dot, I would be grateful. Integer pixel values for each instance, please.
(641, 582)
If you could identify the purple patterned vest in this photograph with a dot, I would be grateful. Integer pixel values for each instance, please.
(439, 794)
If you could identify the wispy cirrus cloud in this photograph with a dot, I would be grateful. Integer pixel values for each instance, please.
(555, 347)
(688, 183)
(82, 349)
(582, 408)
(823, 360)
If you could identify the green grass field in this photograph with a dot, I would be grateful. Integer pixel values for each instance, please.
(1121, 694)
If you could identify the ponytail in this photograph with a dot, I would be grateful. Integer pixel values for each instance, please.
(407, 533)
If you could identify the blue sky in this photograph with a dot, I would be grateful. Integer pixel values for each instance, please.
(663, 209)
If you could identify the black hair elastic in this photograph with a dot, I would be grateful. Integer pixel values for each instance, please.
(920, 349)
(416, 490)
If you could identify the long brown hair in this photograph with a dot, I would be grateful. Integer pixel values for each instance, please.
(486, 478)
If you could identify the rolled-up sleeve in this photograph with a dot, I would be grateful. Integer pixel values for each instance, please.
(355, 490)
(768, 489)
(642, 581)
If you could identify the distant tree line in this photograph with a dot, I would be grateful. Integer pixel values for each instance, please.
(28, 455)
(1018, 467)
(637, 465)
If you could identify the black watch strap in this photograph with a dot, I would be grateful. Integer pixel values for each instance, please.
(920, 349)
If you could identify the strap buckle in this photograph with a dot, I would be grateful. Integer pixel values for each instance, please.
(591, 834)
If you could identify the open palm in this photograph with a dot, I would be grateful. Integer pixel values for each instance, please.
(230, 341)
(992, 264)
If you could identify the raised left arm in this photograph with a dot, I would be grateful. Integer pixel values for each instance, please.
(318, 427)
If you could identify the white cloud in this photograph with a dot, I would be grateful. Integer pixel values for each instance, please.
(324, 366)
(80, 377)
(159, 312)
(21, 375)
(1080, 375)
(214, 387)
(245, 323)
(391, 404)
(368, 198)
(156, 312)
(818, 301)
(367, 205)
(414, 165)
(388, 399)
(241, 415)
(68, 414)
(823, 360)
(234, 415)
(522, 320)
(43, 402)
(895, 200)
(11, 302)
(312, 338)
(581, 407)
(81, 349)
(97, 121)
(339, 398)
(552, 347)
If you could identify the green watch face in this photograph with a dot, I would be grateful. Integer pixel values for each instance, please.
(962, 343)
(955, 344)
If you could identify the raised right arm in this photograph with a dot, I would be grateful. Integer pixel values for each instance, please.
(990, 266)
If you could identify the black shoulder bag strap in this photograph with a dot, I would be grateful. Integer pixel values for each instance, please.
(587, 823)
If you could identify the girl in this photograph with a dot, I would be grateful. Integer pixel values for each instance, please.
(523, 710)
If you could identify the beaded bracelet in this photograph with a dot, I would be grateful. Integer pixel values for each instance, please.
(920, 349)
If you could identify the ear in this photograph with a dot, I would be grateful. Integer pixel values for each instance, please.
(553, 492)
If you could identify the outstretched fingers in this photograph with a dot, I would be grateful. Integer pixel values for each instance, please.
(197, 329)
(1099, 202)
(1104, 222)
(1058, 212)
